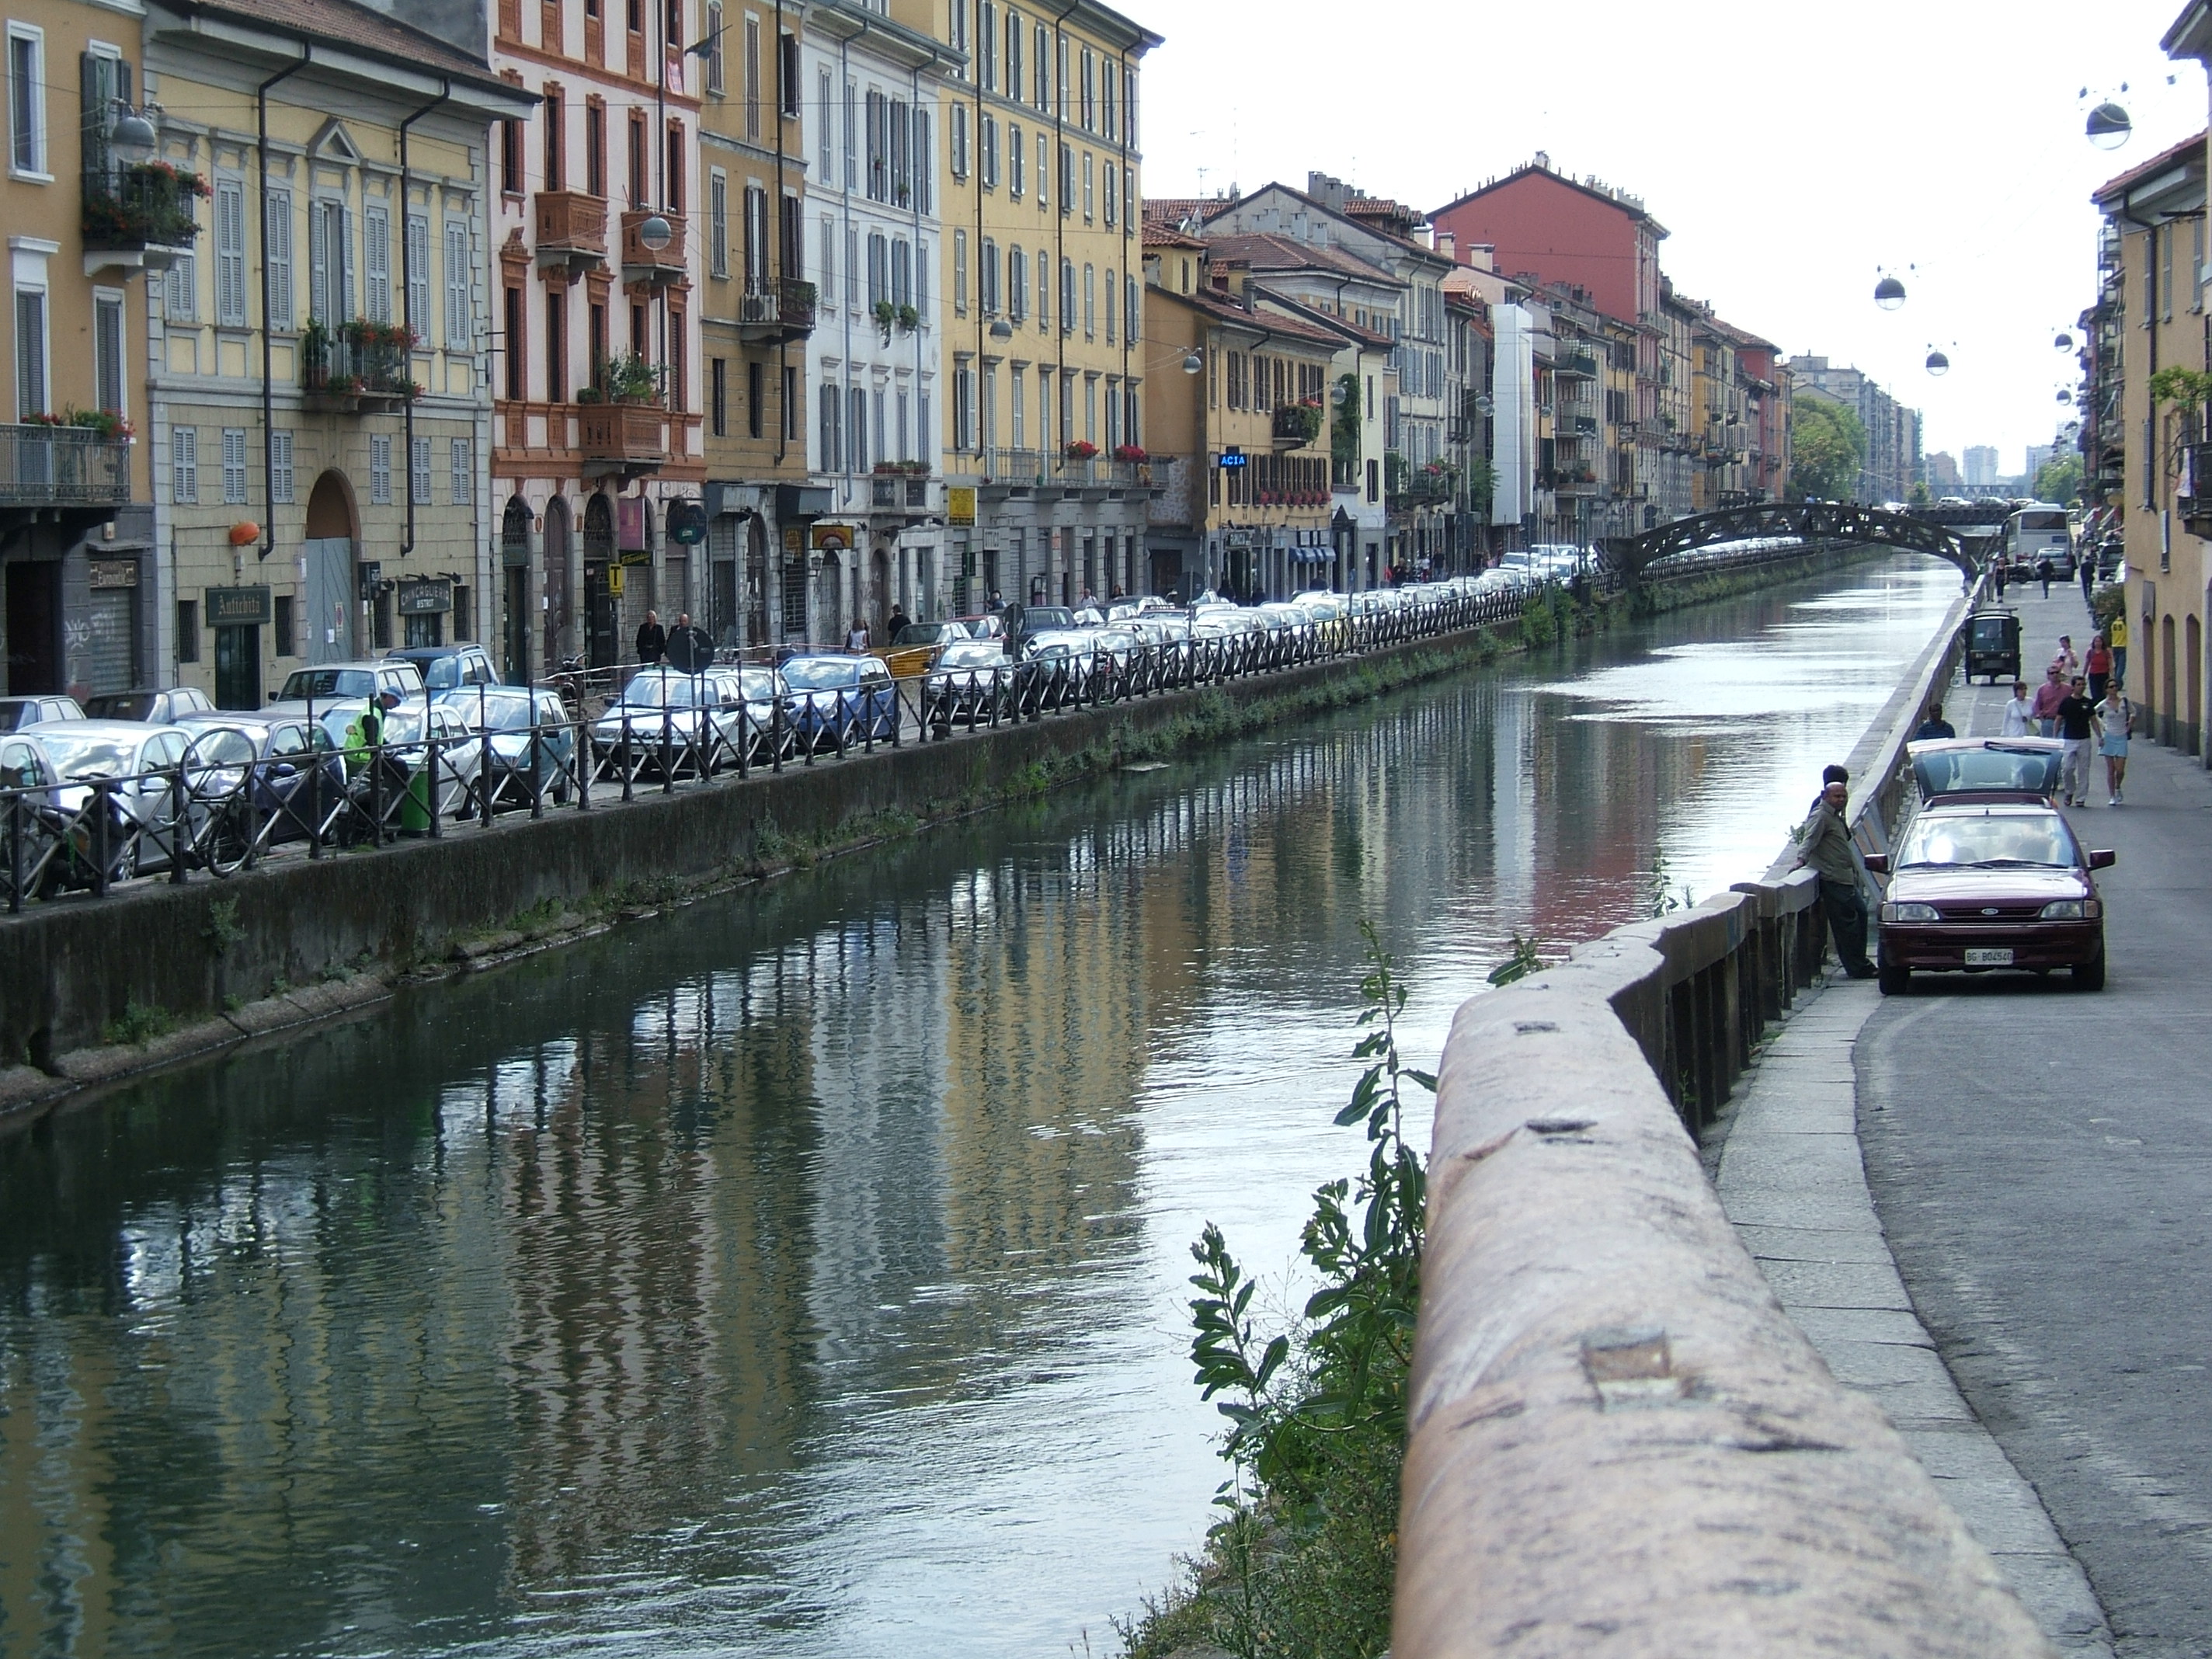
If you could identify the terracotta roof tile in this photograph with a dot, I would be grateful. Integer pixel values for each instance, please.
(342, 22)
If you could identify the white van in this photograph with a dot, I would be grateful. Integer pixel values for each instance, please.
(2038, 531)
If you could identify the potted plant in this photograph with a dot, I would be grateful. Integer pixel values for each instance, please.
(628, 379)
(104, 422)
(1130, 452)
(1079, 449)
(588, 394)
(886, 315)
(908, 318)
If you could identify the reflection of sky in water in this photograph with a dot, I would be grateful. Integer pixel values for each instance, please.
(803, 1273)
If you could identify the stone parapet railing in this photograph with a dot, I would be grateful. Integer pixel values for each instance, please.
(1620, 1442)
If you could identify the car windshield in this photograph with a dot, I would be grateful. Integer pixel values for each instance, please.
(13, 715)
(972, 654)
(1038, 618)
(2039, 840)
(760, 684)
(818, 675)
(90, 757)
(224, 745)
(1989, 769)
(928, 633)
(440, 673)
(304, 683)
(121, 706)
(1988, 632)
(668, 691)
(499, 715)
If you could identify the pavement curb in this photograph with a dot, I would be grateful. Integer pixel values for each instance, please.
(1793, 1182)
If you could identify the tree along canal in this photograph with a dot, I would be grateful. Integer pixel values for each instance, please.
(802, 1271)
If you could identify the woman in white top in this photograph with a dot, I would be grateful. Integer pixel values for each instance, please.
(858, 639)
(2116, 714)
(2020, 713)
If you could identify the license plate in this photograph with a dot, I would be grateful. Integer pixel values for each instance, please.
(1989, 958)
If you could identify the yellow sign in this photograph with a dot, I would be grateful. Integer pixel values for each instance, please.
(832, 538)
(795, 540)
(614, 581)
(960, 505)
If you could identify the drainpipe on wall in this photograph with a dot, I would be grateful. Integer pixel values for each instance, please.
(407, 291)
(268, 388)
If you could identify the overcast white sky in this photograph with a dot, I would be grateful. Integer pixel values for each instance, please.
(1790, 150)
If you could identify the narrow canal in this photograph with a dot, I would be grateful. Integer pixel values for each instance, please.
(802, 1272)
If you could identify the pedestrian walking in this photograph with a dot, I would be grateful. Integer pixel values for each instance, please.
(1824, 844)
(856, 637)
(2088, 578)
(2117, 717)
(896, 621)
(2116, 637)
(652, 639)
(689, 650)
(2020, 713)
(2078, 726)
(2043, 570)
(1934, 727)
(2064, 660)
(2048, 696)
(1997, 573)
(2098, 665)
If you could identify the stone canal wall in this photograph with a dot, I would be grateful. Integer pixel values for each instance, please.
(1614, 1426)
(94, 989)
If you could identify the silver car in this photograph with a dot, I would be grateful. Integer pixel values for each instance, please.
(141, 763)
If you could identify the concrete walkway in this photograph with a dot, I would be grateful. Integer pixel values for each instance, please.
(1791, 1180)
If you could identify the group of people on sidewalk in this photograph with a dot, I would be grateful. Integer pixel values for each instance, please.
(2079, 702)
(687, 648)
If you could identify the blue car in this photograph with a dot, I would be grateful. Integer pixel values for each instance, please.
(834, 701)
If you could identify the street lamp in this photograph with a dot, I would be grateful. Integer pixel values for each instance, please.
(655, 233)
(132, 141)
(1193, 363)
(1889, 293)
(1938, 364)
(2108, 125)
(2064, 342)
(1002, 330)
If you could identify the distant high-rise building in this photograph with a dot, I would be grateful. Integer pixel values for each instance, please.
(1981, 466)
(1943, 472)
(2038, 456)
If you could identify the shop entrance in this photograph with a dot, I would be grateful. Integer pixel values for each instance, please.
(34, 626)
(238, 666)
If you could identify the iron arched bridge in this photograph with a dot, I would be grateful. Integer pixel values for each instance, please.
(1809, 521)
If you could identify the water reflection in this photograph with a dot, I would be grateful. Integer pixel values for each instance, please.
(801, 1274)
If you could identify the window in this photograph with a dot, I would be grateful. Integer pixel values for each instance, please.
(185, 465)
(418, 470)
(188, 630)
(960, 271)
(1066, 178)
(987, 133)
(832, 407)
(1128, 107)
(556, 140)
(1067, 297)
(1014, 54)
(110, 383)
(673, 192)
(595, 147)
(1113, 191)
(637, 158)
(852, 266)
(511, 339)
(756, 400)
(30, 353)
(852, 136)
(1040, 91)
(901, 272)
(1086, 187)
(963, 408)
(876, 173)
(1132, 292)
(180, 290)
(510, 158)
(283, 626)
(1017, 284)
(1113, 296)
(786, 76)
(27, 99)
(280, 469)
(715, 83)
(879, 260)
(460, 323)
(556, 347)
(960, 140)
(418, 275)
(330, 264)
(1043, 172)
(379, 469)
(234, 465)
(680, 361)
(717, 222)
(1059, 81)
(377, 264)
(987, 278)
(828, 295)
(1090, 108)
(230, 253)
(460, 471)
(752, 76)
(1106, 99)
(277, 247)
(1089, 304)
(718, 397)
(921, 268)
(923, 171)
(986, 43)
(790, 402)
(1043, 291)
(1016, 154)
(827, 155)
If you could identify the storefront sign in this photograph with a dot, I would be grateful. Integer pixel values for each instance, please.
(425, 598)
(960, 505)
(1234, 459)
(629, 524)
(238, 607)
(115, 573)
(614, 581)
(832, 538)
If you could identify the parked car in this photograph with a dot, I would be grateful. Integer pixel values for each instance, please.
(31, 822)
(1993, 644)
(915, 648)
(689, 723)
(348, 681)
(16, 712)
(410, 793)
(144, 807)
(253, 770)
(526, 737)
(1987, 769)
(154, 706)
(967, 686)
(833, 700)
(445, 667)
(1976, 885)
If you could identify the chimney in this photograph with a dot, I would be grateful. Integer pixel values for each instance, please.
(1543, 160)
(1483, 256)
(1328, 191)
(1446, 244)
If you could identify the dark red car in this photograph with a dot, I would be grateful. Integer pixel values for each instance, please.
(1980, 885)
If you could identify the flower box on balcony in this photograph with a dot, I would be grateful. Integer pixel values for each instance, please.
(628, 439)
(142, 216)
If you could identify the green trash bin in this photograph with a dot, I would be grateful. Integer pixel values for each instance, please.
(415, 805)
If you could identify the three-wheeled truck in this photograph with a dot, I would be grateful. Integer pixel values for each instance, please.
(1993, 645)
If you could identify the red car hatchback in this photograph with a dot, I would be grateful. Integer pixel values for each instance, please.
(1977, 886)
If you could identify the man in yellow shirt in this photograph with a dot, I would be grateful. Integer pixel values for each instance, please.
(2116, 637)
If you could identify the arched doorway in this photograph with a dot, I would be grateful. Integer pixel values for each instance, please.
(514, 591)
(598, 601)
(832, 624)
(557, 579)
(880, 593)
(332, 601)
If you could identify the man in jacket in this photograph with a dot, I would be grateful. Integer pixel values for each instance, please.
(652, 639)
(689, 650)
(1824, 844)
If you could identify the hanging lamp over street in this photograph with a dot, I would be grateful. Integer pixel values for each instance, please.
(1889, 293)
(2109, 125)
(1938, 363)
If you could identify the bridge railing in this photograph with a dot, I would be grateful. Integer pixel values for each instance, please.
(1614, 1427)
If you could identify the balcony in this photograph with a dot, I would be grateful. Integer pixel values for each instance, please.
(571, 231)
(139, 218)
(43, 465)
(364, 369)
(1009, 470)
(1579, 364)
(899, 492)
(2194, 508)
(645, 267)
(785, 312)
(1296, 425)
(1586, 426)
(625, 439)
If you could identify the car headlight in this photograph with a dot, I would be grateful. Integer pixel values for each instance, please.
(1909, 912)
(2066, 910)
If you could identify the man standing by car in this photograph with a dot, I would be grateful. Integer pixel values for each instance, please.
(1824, 844)
(2077, 725)
(652, 639)
(689, 650)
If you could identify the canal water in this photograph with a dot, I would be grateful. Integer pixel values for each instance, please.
(802, 1272)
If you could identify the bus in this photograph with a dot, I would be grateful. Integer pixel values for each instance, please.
(2036, 531)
